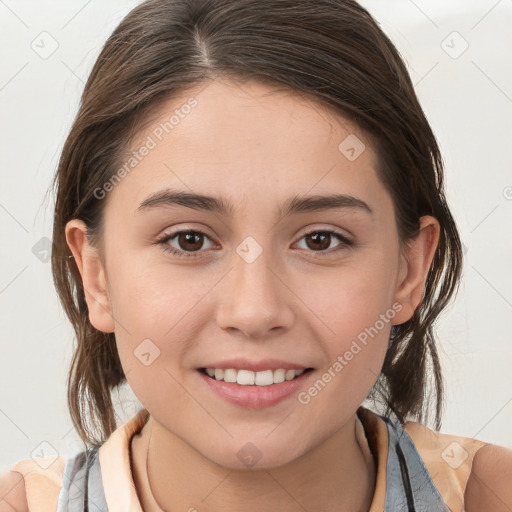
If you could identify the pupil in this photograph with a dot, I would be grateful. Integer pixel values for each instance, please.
(323, 245)
(189, 239)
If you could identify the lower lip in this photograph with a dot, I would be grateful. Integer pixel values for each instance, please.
(255, 397)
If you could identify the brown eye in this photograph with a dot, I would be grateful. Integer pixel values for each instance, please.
(190, 240)
(188, 243)
(320, 241)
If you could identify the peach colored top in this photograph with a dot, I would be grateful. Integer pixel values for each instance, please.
(417, 468)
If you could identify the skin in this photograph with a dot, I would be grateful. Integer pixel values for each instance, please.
(255, 146)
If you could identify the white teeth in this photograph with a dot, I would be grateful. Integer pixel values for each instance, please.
(249, 378)
(245, 377)
(265, 378)
(279, 376)
(230, 375)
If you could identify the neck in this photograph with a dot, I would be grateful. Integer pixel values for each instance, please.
(338, 475)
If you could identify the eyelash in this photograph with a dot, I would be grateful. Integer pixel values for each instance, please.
(163, 242)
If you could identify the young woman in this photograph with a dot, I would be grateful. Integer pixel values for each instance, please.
(251, 230)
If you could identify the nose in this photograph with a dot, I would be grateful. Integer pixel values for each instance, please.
(253, 299)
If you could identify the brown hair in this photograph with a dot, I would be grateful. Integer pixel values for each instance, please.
(331, 50)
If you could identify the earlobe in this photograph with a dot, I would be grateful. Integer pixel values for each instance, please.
(414, 267)
(93, 275)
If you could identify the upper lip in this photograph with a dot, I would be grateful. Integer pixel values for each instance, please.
(255, 366)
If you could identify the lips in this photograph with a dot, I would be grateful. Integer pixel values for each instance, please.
(254, 384)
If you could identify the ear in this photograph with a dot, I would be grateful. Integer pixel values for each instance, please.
(415, 263)
(90, 266)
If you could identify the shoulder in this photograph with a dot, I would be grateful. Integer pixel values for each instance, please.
(34, 481)
(448, 460)
(489, 484)
(13, 497)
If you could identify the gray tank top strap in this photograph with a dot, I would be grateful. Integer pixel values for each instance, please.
(82, 485)
(409, 486)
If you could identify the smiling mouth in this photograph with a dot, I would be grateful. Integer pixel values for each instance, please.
(250, 378)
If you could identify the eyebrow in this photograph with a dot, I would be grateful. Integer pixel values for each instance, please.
(294, 205)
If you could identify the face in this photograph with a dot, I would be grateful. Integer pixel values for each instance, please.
(262, 280)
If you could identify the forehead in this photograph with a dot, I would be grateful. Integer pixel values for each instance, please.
(244, 141)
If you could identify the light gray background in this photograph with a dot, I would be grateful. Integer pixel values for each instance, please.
(466, 96)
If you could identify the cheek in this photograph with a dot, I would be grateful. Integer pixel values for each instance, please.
(150, 298)
(359, 316)
(352, 297)
(159, 311)
(355, 306)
